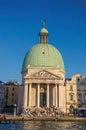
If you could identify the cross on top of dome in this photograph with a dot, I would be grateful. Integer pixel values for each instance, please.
(43, 33)
(44, 24)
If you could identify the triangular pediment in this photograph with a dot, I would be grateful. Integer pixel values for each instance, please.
(45, 74)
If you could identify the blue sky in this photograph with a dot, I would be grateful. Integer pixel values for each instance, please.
(20, 23)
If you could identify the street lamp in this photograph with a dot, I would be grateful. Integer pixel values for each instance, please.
(14, 110)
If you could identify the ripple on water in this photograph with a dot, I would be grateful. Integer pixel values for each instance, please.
(43, 125)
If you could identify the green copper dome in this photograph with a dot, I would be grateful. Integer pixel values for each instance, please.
(43, 55)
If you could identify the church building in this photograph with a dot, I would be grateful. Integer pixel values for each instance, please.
(43, 78)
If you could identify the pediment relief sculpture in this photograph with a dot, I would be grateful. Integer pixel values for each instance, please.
(45, 74)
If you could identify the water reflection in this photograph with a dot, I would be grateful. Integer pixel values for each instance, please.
(43, 125)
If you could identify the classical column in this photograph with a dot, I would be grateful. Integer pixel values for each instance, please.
(30, 85)
(47, 95)
(60, 96)
(56, 94)
(25, 95)
(38, 95)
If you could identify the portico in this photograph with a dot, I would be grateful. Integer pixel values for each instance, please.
(46, 95)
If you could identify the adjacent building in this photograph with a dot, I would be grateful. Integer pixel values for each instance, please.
(71, 94)
(10, 93)
(75, 88)
(81, 90)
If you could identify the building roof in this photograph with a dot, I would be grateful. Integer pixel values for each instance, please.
(11, 83)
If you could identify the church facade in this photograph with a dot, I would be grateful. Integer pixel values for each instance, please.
(43, 78)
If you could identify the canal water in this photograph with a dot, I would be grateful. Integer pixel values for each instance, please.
(43, 125)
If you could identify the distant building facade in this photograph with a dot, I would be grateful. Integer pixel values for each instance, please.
(81, 90)
(75, 89)
(10, 93)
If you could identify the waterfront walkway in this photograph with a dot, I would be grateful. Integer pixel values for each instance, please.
(26, 118)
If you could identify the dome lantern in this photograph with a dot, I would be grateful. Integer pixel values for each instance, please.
(43, 34)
